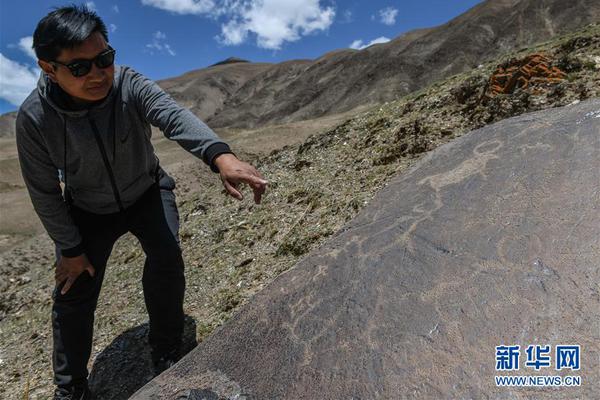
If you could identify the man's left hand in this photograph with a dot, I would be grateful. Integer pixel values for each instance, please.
(233, 172)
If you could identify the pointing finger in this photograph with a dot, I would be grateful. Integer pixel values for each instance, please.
(232, 190)
(254, 180)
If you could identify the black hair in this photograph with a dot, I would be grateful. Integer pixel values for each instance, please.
(65, 28)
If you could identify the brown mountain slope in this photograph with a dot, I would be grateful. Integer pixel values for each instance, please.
(240, 94)
(295, 90)
(205, 90)
(7, 124)
(343, 80)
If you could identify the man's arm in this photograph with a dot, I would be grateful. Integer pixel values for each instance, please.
(41, 178)
(178, 123)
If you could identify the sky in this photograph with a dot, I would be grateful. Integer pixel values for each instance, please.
(166, 38)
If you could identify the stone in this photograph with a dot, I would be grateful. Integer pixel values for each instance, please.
(491, 239)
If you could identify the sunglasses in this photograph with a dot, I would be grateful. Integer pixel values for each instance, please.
(81, 68)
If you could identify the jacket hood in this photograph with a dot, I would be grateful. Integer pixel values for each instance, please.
(52, 94)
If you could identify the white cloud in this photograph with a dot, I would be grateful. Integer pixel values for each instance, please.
(182, 6)
(91, 6)
(346, 17)
(169, 50)
(356, 44)
(112, 27)
(273, 21)
(115, 8)
(17, 80)
(388, 15)
(25, 44)
(159, 44)
(359, 45)
(233, 33)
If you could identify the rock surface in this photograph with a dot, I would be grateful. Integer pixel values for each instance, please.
(491, 239)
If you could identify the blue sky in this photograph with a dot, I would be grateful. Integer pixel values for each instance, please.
(165, 38)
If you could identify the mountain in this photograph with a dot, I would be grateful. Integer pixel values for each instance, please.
(240, 94)
(205, 91)
(342, 80)
(7, 124)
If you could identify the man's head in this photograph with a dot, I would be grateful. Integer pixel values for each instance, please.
(65, 41)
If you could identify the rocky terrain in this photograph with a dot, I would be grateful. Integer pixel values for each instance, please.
(409, 299)
(233, 249)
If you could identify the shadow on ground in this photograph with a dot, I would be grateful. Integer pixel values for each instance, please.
(125, 365)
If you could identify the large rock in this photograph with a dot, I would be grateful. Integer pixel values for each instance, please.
(493, 239)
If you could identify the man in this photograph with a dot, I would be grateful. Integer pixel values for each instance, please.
(88, 125)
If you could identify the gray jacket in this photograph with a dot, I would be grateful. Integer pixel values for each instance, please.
(103, 153)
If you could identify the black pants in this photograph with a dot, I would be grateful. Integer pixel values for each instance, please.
(153, 219)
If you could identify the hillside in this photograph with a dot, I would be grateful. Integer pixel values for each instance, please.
(205, 91)
(240, 94)
(7, 124)
(342, 80)
(232, 249)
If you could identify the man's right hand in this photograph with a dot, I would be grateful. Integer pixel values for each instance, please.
(69, 268)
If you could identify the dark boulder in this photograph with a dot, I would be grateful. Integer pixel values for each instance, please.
(493, 239)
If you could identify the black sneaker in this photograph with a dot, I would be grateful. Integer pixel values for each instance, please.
(79, 392)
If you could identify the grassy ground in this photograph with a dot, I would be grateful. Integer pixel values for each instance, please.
(233, 249)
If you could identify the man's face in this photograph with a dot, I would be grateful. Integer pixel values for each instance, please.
(93, 86)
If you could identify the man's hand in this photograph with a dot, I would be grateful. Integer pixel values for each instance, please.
(69, 268)
(233, 172)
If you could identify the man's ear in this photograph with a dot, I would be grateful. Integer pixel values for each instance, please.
(48, 69)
